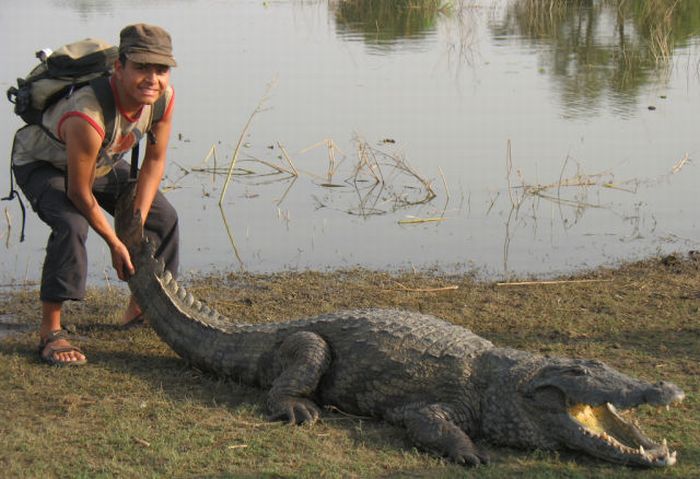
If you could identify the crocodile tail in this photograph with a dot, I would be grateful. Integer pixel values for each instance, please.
(153, 284)
(127, 222)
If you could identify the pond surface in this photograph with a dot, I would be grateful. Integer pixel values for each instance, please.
(486, 137)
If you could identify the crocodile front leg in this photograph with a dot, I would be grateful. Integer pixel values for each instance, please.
(433, 428)
(301, 359)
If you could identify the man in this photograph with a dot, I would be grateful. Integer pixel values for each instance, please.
(69, 181)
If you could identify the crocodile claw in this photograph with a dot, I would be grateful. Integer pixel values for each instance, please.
(296, 411)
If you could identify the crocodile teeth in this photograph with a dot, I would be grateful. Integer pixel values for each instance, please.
(641, 450)
(182, 294)
(189, 299)
(667, 460)
(167, 277)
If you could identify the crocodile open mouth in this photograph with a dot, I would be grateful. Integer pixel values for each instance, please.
(610, 436)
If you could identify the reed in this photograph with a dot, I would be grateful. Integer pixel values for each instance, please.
(259, 108)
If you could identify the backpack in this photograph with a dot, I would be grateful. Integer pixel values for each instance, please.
(59, 74)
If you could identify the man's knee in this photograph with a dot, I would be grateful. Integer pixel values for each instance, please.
(70, 225)
(162, 219)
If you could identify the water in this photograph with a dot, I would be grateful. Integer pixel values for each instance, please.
(488, 109)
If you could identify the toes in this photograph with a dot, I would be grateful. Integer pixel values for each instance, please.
(305, 414)
(472, 459)
(297, 412)
(468, 460)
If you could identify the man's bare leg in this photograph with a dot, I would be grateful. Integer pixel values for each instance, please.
(132, 311)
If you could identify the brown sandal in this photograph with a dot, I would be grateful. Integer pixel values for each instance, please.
(47, 351)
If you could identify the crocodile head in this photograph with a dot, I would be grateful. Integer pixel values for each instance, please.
(585, 405)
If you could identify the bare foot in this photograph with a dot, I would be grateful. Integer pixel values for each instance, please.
(132, 311)
(55, 349)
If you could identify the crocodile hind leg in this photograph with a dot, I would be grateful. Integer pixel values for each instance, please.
(301, 359)
(434, 428)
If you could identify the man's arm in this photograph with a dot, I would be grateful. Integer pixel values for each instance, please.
(153, 167)
(82, 146)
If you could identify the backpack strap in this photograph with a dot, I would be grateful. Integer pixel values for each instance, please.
(158, 110)
(11, 196)
(158, 113)
(105, 97)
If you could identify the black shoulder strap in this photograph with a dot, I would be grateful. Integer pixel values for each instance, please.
(158, 110)
(103, 92)
(158, 113)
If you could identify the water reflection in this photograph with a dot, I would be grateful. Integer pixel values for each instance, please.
(601, 50)
(382, 24)
(86, 8)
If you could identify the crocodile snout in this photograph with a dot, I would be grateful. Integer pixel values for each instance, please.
(663, 393)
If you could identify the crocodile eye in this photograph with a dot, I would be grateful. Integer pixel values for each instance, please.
(579, 371)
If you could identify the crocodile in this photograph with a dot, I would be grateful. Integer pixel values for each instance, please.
(443, 383)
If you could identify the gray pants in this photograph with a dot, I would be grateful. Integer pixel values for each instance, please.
(65, 266)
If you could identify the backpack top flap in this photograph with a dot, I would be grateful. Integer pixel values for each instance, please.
(85, 56)
(71, 66)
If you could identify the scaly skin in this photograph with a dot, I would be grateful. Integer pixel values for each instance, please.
(441, 382)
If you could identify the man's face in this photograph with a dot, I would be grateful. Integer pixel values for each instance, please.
(142, 83)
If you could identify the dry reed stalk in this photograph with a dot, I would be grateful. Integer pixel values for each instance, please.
(509, 169)
(277, 168)
(8, 219)
(231, 239)
(452, 287)
(404, 166)
(563, 281)
(332, 146)
(210, 154)
(347, 414)
(367, 160)
(444, 183)
(286, 192)
(613, 186)
(411, 221)
(680, 164)
(243, 134)
(447, 192)
(288, 159)
(142, 442)
(332, 164)
(579, 180)
(563, 201)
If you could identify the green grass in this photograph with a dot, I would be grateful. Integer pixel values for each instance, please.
(137, 410)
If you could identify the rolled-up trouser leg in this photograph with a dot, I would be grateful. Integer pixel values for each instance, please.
(65, 266)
